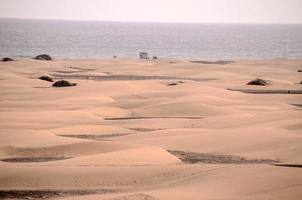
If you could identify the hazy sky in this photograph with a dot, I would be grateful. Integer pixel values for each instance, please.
(218, 11)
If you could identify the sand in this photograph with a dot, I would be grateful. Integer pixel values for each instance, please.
(141, 129)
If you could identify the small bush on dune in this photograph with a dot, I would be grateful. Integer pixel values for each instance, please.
(43, 57)
(7, 59)
(172, 84)
(258, 81)
(63, 83)
(46, 78)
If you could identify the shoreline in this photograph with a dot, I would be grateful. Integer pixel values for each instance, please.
(196, 60)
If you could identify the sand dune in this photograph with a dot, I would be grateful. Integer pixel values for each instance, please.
(134, 130)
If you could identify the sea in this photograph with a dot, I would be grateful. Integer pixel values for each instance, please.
(97, 39)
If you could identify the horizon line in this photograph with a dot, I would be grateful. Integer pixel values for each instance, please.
(164, 22)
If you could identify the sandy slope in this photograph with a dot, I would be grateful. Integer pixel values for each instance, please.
(108, 137)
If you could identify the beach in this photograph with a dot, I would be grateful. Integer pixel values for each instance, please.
(151, 129)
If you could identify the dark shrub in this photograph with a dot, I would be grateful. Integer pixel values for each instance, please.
(63, 83)
(43, 57)
(258, 81)
(46, 78)
(178, 82)
(7, 59)
(172, 84)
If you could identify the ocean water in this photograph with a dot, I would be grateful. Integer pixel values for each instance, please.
(82, 39)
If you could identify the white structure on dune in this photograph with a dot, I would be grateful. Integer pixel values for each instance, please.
(143, 55)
